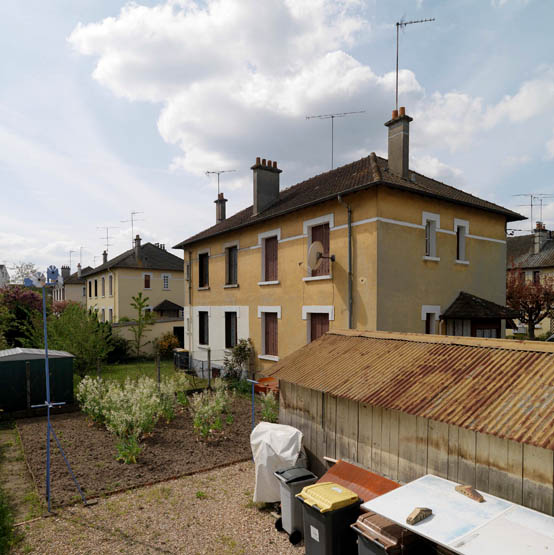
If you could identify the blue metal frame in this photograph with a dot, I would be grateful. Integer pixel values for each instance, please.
(52, 278)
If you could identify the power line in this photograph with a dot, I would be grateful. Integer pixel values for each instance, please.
(400, 24)
(218, 172)
(332, 118)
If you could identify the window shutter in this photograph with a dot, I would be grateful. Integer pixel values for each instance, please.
(271, 333)
(271, 260)
(319, 325)
(321, 233)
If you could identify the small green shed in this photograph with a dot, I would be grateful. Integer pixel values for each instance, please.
(22, 378)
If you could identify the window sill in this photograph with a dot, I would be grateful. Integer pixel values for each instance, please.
(231, 286)
(204, 347)
(269, 357)
(432, 258)
(147, 288)
(207, 288)
(317, 278)
(269, 283)
(466, 262)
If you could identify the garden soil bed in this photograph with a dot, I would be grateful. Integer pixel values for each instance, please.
(173, 450)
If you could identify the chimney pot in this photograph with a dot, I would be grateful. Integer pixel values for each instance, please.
(402, 111)
(79, 269)
(275, 164)
(257, 160)
(137, 247)
(104, 257)
(263, 161)
(269, 163)
(266, 185)
(220, 208)
(395, 114)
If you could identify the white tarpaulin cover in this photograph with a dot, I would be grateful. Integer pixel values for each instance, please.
(274, 447)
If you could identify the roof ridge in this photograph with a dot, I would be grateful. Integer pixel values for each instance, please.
(375, 169)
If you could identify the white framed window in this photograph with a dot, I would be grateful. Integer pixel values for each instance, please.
(318, 318)
(147, 281)
(165, 281)
(270, 316)
(461, 228)
(318, 229)
(204, 269)
(103, 286)
(269, 241)
(231, 263)
(110, 285)
(430, 314)
(84, 291)
(431, 222)
(110, 314)
(103, 315)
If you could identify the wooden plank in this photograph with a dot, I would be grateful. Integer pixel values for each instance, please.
(538, 478)
(466, 457)
(421, 446)
(453, 452)
(347, 429)
(330, 422)
(482, 449)
(284, 413)
(365, 415)
(385, 443)
(498, 466)
(515, 472)
(292, 404)
(437, 449)
(318, 437)
(376, 437)
(300, 404)
(407, 442)
(307, 416)
(393, 444)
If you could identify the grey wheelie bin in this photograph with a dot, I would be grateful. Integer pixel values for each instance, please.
(292, 481)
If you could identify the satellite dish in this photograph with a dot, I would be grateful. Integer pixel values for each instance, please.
(315, 255)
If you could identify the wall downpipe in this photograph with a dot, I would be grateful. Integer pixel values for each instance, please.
(349, 225)
(191, 319)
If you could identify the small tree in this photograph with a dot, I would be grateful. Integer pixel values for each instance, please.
(240, 355)
(23, 270)
(533, 300)
(141, 323)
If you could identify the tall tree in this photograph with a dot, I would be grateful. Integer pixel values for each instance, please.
(23, 270)
(533, 299)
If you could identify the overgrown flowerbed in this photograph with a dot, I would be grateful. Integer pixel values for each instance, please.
(172, 449)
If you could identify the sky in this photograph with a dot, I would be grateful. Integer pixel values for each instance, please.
(109, 107)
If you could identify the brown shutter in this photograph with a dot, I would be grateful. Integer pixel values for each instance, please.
(270, 333)
(321, 233)
(271, 260)
(319, 324)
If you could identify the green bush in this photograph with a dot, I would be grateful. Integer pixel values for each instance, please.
(6, 524)
(210, 409)
(270, 407)
(165, 345)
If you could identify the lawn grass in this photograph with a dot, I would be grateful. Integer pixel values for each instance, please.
(136, 369)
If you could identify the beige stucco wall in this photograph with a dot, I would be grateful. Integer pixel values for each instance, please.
(128, 282)
(391, 281)
(74, 292)
(155, 331)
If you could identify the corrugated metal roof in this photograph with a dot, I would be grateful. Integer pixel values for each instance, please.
(494, 386)
(30, 354)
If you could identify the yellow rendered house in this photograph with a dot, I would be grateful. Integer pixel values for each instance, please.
(149, 269)
(393, 250)
(74, 286)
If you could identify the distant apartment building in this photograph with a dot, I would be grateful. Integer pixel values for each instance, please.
(73, 287)
(397, 251)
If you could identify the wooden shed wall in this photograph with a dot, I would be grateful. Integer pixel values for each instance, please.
(404, 447)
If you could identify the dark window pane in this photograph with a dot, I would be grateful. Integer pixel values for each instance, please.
(271, 264)
(203, 328)
(147, 281)
(203, 270)
(271, 339)
(230, 329)
(231, 277)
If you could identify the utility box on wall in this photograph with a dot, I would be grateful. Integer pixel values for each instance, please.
(23, 383)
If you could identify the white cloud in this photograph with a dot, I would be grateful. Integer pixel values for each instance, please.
(516, 160)
(433, 167)
(550, 148)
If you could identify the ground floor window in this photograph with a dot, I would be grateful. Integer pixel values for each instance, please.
(270, 334)
(203, 328)
(230, 329)
(319, 325)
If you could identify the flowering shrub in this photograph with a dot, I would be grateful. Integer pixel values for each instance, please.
(129, 410)
(166, 343)
(270, 407)
(208, 409)
(90, 394)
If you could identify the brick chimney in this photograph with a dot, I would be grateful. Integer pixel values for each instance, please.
(399, 142)
(66, 272)
(104, 257)
(266, 184)
(540, 237)
(220, 208)
(79, 270)
(137, 248)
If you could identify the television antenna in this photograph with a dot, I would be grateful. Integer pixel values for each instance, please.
(218, 173)
(81, 255)
(108, 236)
(132, 220)
(332, 118)
(400, 24)
(70, 253)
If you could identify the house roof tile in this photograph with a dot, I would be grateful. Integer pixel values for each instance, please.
(367, 172)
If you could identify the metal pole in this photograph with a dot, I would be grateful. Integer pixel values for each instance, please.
(209, 368)
(332, 139)
(158, 369)
(397, 28)
(253, 382)
(47, 378)
(349, 267)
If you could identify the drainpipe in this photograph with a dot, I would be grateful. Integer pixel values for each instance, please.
(349, 225)
(191, 319)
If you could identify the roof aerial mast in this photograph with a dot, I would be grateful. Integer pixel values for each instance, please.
(218, 172)
(399, 24)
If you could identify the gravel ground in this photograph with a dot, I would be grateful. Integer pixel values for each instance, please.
(210, 512)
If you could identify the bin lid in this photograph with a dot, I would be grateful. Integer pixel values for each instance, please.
(295, 474)
(376, 527)
(327, 496)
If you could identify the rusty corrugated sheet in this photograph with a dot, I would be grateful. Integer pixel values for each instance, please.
(367, 485)
(499, 387)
